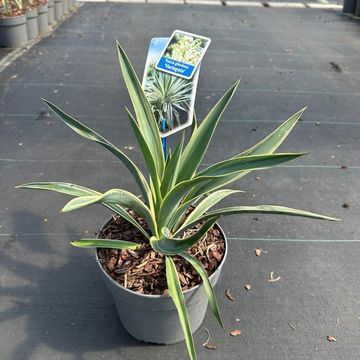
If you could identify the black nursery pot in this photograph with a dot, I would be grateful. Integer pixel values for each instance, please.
(13, 31)
(349, 6)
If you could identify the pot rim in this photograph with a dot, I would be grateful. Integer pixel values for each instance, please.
(163, 296)
(32, 13)
(13, 18)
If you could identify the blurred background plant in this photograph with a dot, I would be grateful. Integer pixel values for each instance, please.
(11, 8)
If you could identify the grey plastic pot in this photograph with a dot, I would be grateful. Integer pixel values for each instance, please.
(43, 19)
(72, 5)
(59, 9)
(32, 23)
(154, 318)
(51, 12)
(65, 7)
(13, 31)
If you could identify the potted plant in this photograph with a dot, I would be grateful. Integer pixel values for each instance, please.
(51, 12)
(12, 24)
(65, 4)
(162, 252)
(43, 18)
(31, 19)
(59, 9)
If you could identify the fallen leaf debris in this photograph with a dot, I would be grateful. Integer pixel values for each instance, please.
(259, 252)
(206, 344)
(235, 332)
(229, 295)
(271, 278)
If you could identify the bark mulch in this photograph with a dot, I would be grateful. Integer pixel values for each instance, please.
(143, 270)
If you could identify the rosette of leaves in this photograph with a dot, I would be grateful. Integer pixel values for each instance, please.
(168, 96)
(175, 184)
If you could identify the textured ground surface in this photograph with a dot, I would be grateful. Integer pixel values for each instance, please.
(53, 303)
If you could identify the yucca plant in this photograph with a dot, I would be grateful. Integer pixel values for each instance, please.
(168, 96)
(174, 185)
(19, 4)
(8, 6)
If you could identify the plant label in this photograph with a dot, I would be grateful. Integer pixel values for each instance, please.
(172, 98)
(182, 54)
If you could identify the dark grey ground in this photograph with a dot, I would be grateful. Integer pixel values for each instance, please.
(53, 303)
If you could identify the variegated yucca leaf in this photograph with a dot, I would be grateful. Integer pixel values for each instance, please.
(174, 185)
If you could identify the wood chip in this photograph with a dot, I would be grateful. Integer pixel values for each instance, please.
(331, 338)
(258, 251)
(271, 278)
(235, 332)
(216, 232)
(229, 295)
(217, 255)
(247, 287)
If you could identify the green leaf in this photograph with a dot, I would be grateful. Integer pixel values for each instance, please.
(266, 146)
(172, 199)
(207, 203)
(104, 243)
(271, 142)
(207, 286)
(114, 196)
(200, 140)
(149, 160)
(87, 133)
(144, 115)
(60, 187)
(252, 162)
(260, 209)
(177, 218)
(171, 170)
(179, 301)
(77, 190)
(194, 124)
(170, 246)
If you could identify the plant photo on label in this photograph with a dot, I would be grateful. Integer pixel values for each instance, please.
(163, 249)
(169, 97)
(185, 48)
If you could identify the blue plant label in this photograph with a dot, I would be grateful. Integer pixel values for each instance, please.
(171, 98)
(182, 54)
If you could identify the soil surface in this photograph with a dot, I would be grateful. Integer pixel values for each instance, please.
(143, 270)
